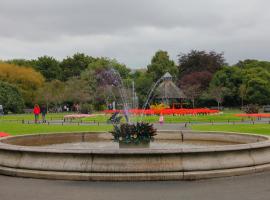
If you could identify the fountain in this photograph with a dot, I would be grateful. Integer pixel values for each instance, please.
(173, 155)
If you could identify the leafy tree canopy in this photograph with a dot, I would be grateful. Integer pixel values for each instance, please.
(160, 64)
(10, 98)
(73, 66)
(49, 67)
(196, 61)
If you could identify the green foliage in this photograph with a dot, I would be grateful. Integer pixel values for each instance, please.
(11, 98)
(229, 78)
(49, 67)
(78, 90)
(257, 81)
(160, 64)
(86, 108)
(134, 133)
(143, 83)
(106, 63)
(22, 62)
(73, 66)
(251, 84)
(252, 108)
(196, 61)
(247, 64)
(26, 79)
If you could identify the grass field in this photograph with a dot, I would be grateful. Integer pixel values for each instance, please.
(263, 129)
(12, 123)
(20, 129)
(227, 115)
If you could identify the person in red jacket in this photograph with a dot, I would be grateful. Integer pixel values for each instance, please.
(36, 112)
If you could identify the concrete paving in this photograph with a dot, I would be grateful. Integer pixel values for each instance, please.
(250, 187)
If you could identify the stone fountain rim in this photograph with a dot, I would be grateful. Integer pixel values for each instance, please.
(218, 148)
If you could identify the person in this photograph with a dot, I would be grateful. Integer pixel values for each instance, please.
(36, 112)
(161, 119)
(43, 111)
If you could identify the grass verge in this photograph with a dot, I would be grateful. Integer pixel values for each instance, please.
(20, 129)
(263, 129)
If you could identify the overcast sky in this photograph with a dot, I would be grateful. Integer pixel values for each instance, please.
(133, 30)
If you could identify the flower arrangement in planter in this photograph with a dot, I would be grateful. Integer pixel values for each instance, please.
(134, 134)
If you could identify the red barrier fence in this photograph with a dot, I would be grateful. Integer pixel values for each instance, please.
(182, 111)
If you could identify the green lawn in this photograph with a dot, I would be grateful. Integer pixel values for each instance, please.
(241, 128)
(19, 129)
(227, 115)
(54, 116)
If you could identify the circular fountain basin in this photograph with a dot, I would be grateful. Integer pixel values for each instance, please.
(174, 155)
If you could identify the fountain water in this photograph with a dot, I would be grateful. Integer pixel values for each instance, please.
(113, 77)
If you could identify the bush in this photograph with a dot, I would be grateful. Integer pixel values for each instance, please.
(11, 98)
(134, 133)
(252, 108)
(26, 79)
(86, 108)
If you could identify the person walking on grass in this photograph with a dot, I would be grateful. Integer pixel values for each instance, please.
(43, 111)
(36, 112)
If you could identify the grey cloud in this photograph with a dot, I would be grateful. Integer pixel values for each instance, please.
(131, 31)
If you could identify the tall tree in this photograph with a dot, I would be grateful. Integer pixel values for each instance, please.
(73, 66)
(196, 61)
(230, 78)
(49, 67)
(26, 79)
(257, 81)
(102, 63)
(160, 64)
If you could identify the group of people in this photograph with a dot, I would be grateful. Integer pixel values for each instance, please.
(40, 110)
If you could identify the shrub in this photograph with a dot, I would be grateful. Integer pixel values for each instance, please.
(134, 133)
(86, 108)
(11, 98)
(252, 108)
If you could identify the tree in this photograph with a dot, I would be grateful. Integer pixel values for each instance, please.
(77, 90)
(49, 67)
(26, 79)
(258, 91)
(217, 93)
(160, 64)
(143, 84)
(73, 66)
(242, 93)
(192, 92)
(101, 64)
(10, 98)
(247, 64)
(229, 78)
(196, 78)
(196, 61)
(257, 81)
(22, 62)
(56, 89)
